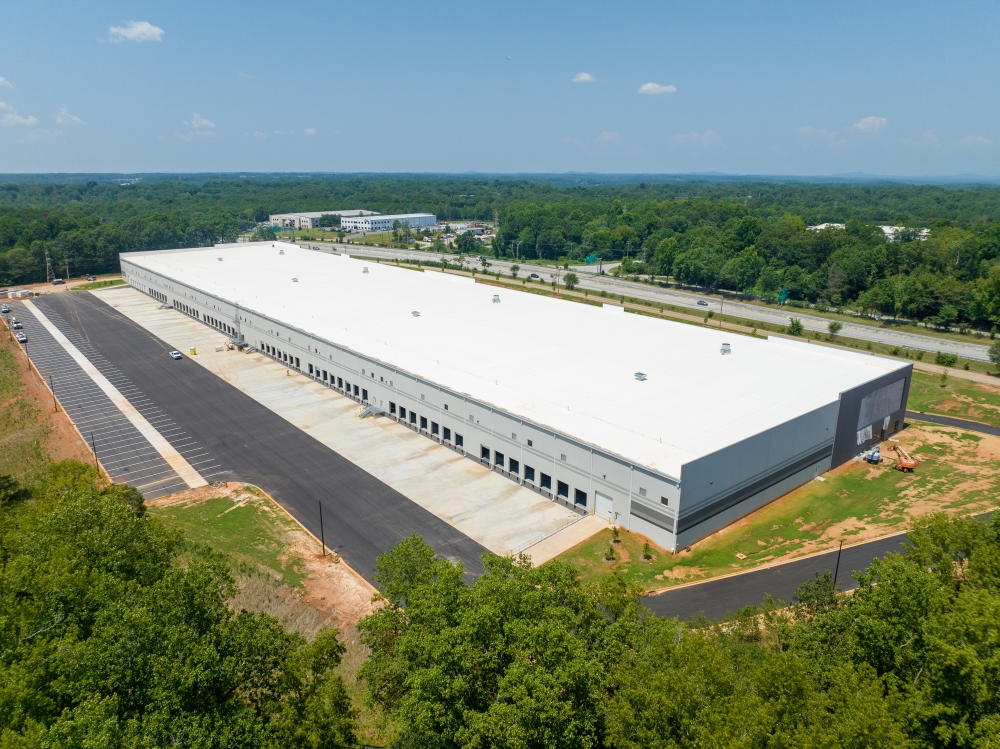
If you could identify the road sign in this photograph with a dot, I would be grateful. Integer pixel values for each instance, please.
(782, 296)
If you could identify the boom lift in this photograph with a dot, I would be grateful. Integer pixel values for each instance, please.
(903, 461)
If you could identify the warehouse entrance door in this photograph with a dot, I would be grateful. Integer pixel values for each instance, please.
(603, 506)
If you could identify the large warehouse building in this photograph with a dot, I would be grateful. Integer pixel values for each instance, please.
(311, 220)
(384, 223)
(645, 422)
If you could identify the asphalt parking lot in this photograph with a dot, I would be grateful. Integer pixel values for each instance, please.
(362, 517)
(124, 452)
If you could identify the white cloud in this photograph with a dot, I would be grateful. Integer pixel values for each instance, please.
(609, 136)
(245, 76)
(199, 128)
(871, 124)
(258, 135)
(135, 31)
(656, 88)
(975, 141)
(65, 118)
(4, 83)
(830, 138)
(11, 118)
(278, 132)
(927, 139)
(583, 78)
(704, 141)
(310, 131)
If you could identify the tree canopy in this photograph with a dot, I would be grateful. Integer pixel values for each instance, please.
(107, 640)
(528, 657)
(744, 236)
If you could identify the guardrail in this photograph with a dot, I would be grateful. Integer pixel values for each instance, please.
(542, 536)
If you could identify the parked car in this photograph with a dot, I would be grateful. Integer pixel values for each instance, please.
(175, 354)
(91, 278)
(5, 309)
(22, 338)
(702, 303)
(57, 281)
(16, 325)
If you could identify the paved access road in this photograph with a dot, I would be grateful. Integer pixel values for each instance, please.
(950, 421)
(677, 298)
(716, 598)
(362, 517)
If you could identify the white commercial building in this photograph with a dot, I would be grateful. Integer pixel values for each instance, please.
(384, 223)
(311, 219)
(668, 429)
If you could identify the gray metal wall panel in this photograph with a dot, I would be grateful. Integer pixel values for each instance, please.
(846, 444)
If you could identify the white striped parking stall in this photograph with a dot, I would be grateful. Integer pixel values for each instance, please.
(135, 441)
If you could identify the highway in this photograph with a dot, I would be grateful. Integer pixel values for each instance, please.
(362, 517)
(776, 316)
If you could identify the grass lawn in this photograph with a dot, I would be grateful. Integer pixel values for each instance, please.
(98, 285)
(242, 525)
(957, 472)
(962, 399)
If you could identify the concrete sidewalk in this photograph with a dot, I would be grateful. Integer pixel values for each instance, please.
(483, 505)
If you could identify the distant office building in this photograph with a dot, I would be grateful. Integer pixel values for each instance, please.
(892, 232)
(821, 227)
(311, 219)
(384, 223)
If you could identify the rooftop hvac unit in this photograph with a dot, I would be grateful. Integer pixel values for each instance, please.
(365, 269)
(281, 251)
(295, 280)
(641, 376)
(220, 259)
(725, 349)
(415, 313)
(496, 299)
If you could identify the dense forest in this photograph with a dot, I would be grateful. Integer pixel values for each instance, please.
(742, 236)
(115, 632)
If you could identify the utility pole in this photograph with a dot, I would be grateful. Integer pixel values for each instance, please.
(52, 387)
(67, 268)
(49, 275)
(836, 569)
(322, 539)
(93, 446)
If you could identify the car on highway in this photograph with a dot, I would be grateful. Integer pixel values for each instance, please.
(702, 303)
(22, 338)
(175, 354)
(533, 275)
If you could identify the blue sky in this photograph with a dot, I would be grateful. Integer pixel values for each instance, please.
(779, 88)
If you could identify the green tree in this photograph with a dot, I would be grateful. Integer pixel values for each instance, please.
(514, 269)
(570, 280)
(110, 639)
(794, 326)
(994, 354)
(834, 327)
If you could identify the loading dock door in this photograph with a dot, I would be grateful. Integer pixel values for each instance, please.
(603, 506)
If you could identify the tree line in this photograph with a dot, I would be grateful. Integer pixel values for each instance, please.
(747, 237)
(115, 632)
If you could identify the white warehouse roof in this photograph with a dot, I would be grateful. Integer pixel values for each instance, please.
(567, 366)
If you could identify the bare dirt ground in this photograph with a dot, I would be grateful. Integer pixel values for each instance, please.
(60, 440)
(331, 593)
